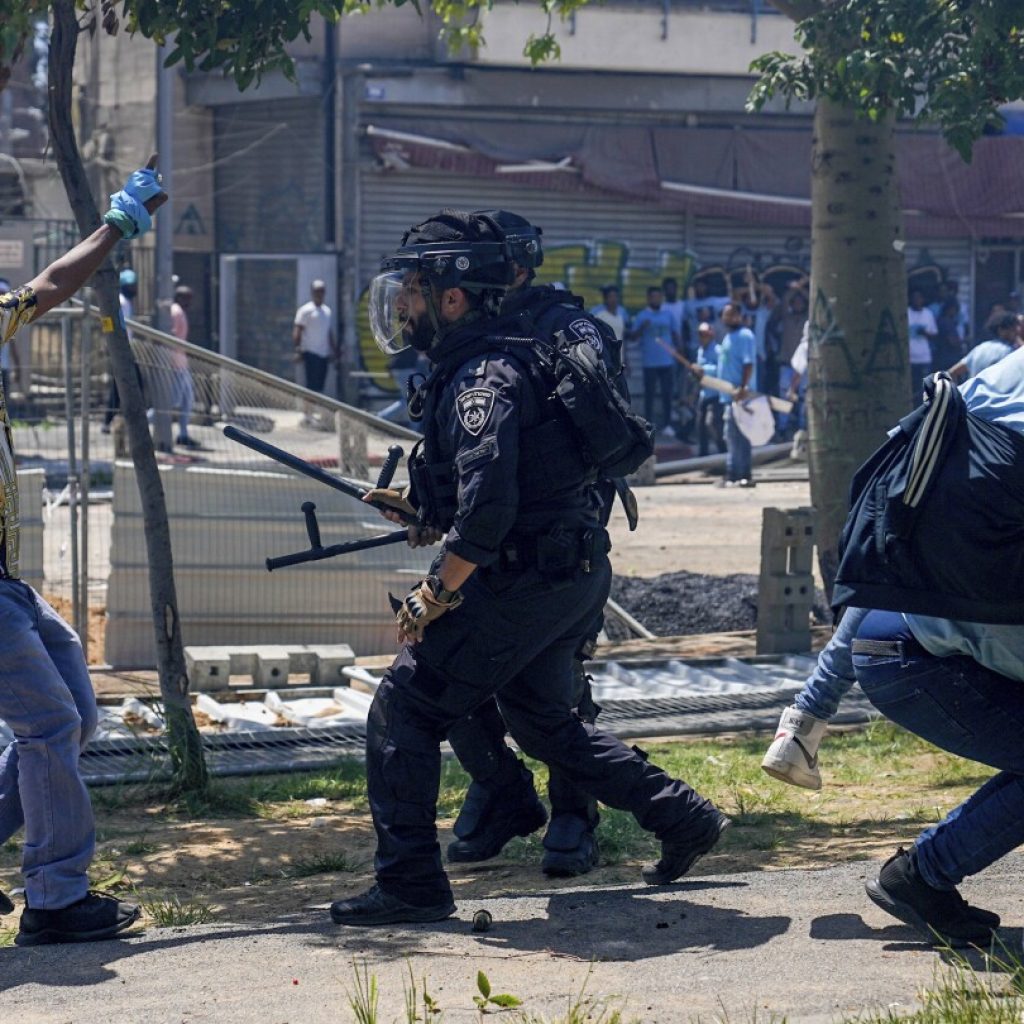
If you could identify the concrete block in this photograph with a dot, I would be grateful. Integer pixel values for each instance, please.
(208, 668)
(327, 662)
(272, 665)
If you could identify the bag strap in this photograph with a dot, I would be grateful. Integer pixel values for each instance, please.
(944, 403)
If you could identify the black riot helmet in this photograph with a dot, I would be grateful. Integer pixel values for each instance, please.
(521, 237)
(453, 249)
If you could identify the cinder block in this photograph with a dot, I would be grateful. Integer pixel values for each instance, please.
(272, 664)
(208, 668)
(330, 660)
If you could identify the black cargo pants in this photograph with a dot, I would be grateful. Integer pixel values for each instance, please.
(515, 636)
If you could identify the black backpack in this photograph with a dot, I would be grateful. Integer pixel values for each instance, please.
(614, 439)
(936, 525)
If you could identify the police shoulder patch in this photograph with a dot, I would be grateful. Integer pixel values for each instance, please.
(474, 409)
(584, 330)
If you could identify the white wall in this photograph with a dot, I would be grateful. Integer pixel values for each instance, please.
(612, 38)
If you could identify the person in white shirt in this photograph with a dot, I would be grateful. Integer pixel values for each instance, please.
(611, 311)
(923, 331)
(313, 337)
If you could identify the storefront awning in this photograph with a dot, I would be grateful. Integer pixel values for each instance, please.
(759, 176)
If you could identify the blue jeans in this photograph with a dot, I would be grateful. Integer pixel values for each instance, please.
(833, 674)
(737, 449)
(46, 698)
(182, 397)
(969, 710)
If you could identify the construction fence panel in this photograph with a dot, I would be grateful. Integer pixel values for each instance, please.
(229, 507)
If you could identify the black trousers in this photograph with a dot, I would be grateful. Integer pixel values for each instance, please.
(316, 370)
(662, 379)
(710, 407)
(479, 743)
(515, 637)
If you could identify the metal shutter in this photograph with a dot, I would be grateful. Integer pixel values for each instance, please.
(392, 201)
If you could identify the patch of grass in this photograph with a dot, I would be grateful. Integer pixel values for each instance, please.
(324, 864)
(173, 912)
(139, 847)
(967, 996)
(7, 937)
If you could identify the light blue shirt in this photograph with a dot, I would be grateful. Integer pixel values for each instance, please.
(996, 395)
(759, 317)
(707, 359)
(736, 350)
(982, 356)
(655, 324)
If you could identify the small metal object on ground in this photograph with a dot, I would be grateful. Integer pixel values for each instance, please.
(482, 921)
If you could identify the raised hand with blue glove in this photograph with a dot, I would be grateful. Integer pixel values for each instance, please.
(128, 212)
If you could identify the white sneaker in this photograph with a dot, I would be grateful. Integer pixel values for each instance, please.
(798, 453)
(793, 755)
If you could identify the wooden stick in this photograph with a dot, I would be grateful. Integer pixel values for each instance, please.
(723, 386)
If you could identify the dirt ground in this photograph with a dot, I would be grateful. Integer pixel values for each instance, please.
(285, 855)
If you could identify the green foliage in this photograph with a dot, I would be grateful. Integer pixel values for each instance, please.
(488, 1003)
(949, 62)
(174, 912)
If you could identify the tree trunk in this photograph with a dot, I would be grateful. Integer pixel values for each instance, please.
(858, 376)
(182, 736)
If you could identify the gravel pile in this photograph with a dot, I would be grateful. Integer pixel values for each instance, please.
(678, 603)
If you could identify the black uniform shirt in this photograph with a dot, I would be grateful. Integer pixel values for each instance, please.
(482, 421)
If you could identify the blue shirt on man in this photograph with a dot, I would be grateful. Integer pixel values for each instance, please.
(737, 349)
(707, 360)
(996, 395)
(655, 324)
(982, 356)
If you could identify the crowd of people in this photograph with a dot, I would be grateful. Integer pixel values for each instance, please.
(757, 338)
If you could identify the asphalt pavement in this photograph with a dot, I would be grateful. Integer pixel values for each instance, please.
(804, 945)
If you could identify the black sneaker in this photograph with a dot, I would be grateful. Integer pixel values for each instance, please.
(378, 907)
(490, 818)
(570, 847)
(942, 916)
(6, 906)
(679, 855)
(187, 442)
(94, 917)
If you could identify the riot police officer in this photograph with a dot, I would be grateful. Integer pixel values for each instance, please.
(520, 579)
(502, 802)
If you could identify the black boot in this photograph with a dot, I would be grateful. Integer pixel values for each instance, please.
(6, 906)
(570, 846)
(683, 847)
(96, 916)
(942, 916)
(375, 906)
(493, 814)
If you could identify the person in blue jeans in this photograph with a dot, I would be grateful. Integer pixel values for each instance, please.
(955, 683)
(654, 326)
(46, 697)
(737, 364)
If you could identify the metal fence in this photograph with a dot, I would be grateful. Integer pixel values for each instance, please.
(229, 508)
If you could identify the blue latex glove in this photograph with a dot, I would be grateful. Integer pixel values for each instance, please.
(127, 212)
(143, 184)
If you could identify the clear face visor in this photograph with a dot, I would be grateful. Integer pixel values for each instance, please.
(390, 294)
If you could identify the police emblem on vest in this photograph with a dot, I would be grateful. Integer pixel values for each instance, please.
(474, 409)
(586, 331)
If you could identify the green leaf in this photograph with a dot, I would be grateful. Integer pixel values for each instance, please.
(483, 984)
(506, 1001)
